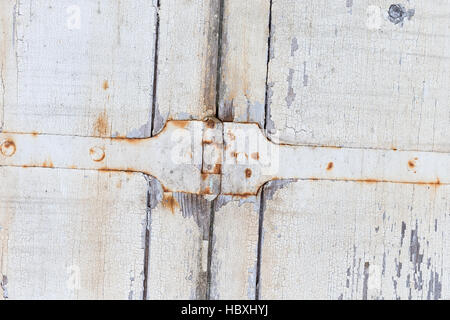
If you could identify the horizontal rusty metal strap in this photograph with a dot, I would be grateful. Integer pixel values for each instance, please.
(210, 157)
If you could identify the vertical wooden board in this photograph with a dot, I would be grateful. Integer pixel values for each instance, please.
(348, 240)
(234, 248)
(178, 245)
(187, 60)
(71, 236)
(185, 89)
(345, 73)
(244, 44)
(86, 66)
(243, 66)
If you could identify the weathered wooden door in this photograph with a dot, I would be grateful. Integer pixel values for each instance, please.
(336, 76)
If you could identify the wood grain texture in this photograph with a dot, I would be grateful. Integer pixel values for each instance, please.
(234, 248)
(185, 89)
(75, 68)
(348, 74)
(243, 61)
(243, 69)
(343, 74)
(71, 236)
(82, 65)
(187, 60)
(347, 240)
(178, 245)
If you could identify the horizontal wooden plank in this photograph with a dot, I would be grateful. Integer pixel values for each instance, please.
(349, 240)
(346, 74)
(71, 236)
(78, 67)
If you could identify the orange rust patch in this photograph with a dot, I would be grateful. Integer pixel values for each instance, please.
(231, 135)
(204, 176)
(181, 123)
(210, 124)
(8, 148)
(34, 134)
(411, 164)
(248, 172)
(255, 155)
(217, 168)
(47, 164)
(105, 85)
(101, 124)
(207, 142)
(234, 154)
(330, 166)
(170, 202)
(207, 190)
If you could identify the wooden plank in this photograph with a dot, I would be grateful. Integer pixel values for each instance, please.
(81, 64)
(349, 74)
(187, 61)
(234, 248)
(244, 45)
(75, 68)
(178, 245)
(343, 74)
(71, 236)
(243, 61)
(348, 240)
(185, 89)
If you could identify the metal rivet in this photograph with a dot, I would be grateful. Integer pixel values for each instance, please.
(97, 154)
(8, 148)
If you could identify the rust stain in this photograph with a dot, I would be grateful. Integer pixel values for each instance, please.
(101, 124)
(248, 172)
(180, 123)
(217, 168)
(97, 154)
(205, 176)
(231, 135)
(34, 134)
(207, 190)
(8, 148)
(48, 164)
(255, 155)
(207, 142)
(234, 154)
(330, 166)
(105, 85)
(210, 124)
(170, 202)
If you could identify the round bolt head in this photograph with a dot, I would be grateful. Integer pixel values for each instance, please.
(97, 154)
(8, 148)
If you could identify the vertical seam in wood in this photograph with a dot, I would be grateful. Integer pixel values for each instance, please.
(210, 250)
(147, 177)
(266, 98)
(147, 241)
(219, 56)
(155, 69)
(260, 243)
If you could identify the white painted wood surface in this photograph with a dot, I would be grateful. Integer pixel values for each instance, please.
(78, 67)
(347, 240)
(75, 68)
(66, 235)
(339, 74)
(187, 60)
(343, 74)
(243, 69)
(185, 89)
(234, 248)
